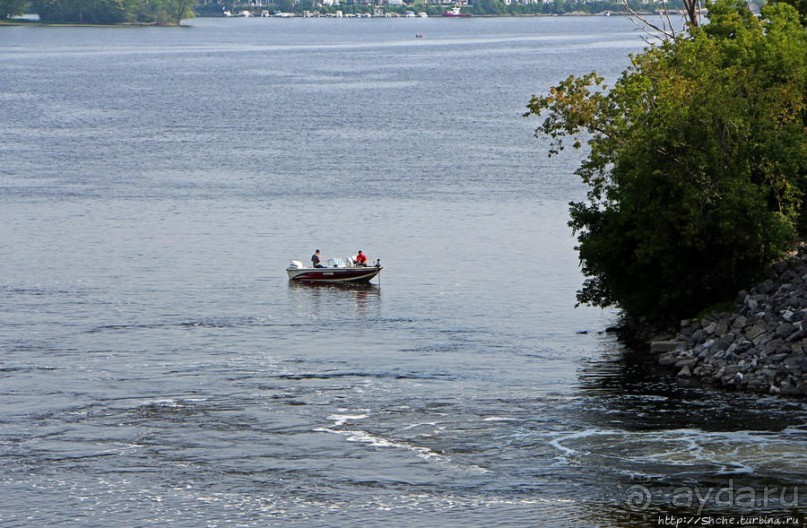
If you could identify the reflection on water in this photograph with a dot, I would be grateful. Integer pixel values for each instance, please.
(319, 298)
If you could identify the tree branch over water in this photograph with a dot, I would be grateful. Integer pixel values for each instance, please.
(666, 29)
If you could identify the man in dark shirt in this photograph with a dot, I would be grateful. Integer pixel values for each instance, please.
(315, 260)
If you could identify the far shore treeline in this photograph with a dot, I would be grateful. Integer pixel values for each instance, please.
(433, 7)
(157, 12)
(171, 12)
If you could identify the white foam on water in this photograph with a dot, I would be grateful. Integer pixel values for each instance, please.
(498, 419)
(727, 452)
(434, 425)
(373, 440)
(169, 402)
(341, 419)
(556, 443)
(161, 403)
(365, 437)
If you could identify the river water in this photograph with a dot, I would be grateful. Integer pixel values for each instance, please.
(157, 368)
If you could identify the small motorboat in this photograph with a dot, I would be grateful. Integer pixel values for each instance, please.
(337, 270)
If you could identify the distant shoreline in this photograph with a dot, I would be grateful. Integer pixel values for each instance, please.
(508, 15)
(85, 25)
(38, 23)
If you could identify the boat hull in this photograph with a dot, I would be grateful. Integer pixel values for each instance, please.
(333, 275)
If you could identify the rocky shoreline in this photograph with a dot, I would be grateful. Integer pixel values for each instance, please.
(759, 346)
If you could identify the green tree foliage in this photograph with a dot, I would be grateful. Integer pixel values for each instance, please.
(801, 6)
(81, 11)
(697, 165)
(488, 7)
(10, 8)
(162, 12)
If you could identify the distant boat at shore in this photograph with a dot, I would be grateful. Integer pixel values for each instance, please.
(245, 14)
(456, 13)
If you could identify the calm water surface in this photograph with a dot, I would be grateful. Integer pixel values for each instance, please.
(156, 368)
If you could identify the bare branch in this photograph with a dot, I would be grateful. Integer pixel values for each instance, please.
(666, 14)
(666, 33)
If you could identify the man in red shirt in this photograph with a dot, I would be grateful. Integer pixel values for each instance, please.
(361, 259)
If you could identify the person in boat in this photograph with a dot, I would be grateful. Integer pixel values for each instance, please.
(315, 260)
(361, 259)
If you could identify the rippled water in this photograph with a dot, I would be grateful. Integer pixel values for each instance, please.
(157, 368)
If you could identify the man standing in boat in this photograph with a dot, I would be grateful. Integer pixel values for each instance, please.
(361, 259)
(315, 260)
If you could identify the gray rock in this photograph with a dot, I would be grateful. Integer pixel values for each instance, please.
(794, 361)
(783, 290)
(768, 374)
(728, 339)
(667, 359)
(708, 353)
(761, 339)
(686, 362)
(751, 303)
(760, 347)
(784, 330)
(776, 346)
(767, 287)
(660, 347)
(754, 331)
(730, 356)
(796, 335)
